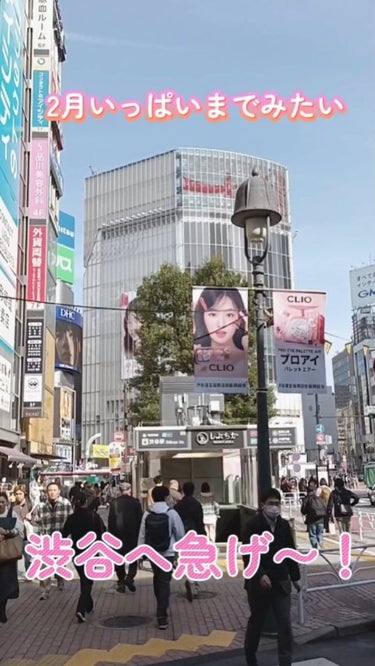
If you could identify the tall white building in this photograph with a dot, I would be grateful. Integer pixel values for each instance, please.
(171, 208)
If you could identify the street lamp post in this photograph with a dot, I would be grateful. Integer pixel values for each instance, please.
(255, 211)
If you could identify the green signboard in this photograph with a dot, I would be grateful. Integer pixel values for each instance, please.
(65, 264)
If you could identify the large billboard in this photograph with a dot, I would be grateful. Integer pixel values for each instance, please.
(34, 366)
(220, 325)
(130, 326)
(12, 17)
(362, 286)
(68, 355)
(299, 323)
(11, 64)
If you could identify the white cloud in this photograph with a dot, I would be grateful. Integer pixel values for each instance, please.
(97, 40)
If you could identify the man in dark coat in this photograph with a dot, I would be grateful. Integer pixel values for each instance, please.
(271, 585)
(191, 514)
(124, 521)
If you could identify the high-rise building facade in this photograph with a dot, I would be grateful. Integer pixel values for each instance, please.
(32, 50)
(68, 352)
(362, 284)
(15, 71)
(44, 191)
(347, 411)
(171, 208)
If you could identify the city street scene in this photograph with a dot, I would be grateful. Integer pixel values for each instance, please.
(187, 333)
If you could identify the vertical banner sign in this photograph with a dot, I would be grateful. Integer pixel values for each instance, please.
(130, 326)
(65, 248)
(36, 289)
(33, 380)
(299, 321)
(40, 92)
(39, 179)
(5, 384)
(220, 326)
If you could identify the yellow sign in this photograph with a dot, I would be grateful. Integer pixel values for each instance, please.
(114, 462)
(100, 451)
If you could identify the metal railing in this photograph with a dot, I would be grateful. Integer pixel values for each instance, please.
(334, 571)
(363, 518)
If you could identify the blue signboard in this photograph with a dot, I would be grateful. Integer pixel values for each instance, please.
(66, 235)
(11, 66)
(319, 429)
(40, 92)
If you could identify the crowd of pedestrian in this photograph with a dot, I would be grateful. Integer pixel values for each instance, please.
(73, 512)
(170, 513)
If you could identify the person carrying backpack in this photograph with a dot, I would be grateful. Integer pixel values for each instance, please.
(340, 505)
(315, 511)
(161, 528)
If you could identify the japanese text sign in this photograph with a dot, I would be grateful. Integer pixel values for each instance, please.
(362, 286)
(299, 322)
(36, 290)
(39, 179)
(40, 92)
(34, 367)
(7, 311)
(197, 556)
(220, 327)
(42, 25)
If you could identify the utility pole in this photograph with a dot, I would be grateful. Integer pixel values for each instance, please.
(127, 426)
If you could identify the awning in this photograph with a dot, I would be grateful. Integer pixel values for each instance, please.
(45, 456)
(16, 456)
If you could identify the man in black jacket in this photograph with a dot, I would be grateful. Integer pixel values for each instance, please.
(271, 586)
(124, 521)
(191, 514)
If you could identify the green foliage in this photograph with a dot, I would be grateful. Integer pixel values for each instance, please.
(164, 307)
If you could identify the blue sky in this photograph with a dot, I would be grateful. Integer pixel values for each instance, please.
(124, 50)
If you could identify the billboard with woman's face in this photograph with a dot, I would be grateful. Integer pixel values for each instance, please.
(220, 320)
(130, 326)
(68, 355)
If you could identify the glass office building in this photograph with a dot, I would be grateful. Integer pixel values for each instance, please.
(170, 208)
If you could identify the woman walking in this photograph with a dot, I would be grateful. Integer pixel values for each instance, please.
(211, 511)
(83, 520)
(10, 527)
(22, 507)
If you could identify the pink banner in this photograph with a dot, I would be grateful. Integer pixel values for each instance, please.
(39, 179)
(299, 322)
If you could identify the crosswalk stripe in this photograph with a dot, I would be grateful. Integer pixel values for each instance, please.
(320, 661)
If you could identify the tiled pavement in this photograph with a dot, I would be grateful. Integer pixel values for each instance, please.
(45, 633)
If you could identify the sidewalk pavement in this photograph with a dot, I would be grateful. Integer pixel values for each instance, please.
(46, 633)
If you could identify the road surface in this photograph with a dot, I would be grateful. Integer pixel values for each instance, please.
(339, 652)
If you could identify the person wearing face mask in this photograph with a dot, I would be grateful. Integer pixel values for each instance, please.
(271, 586)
